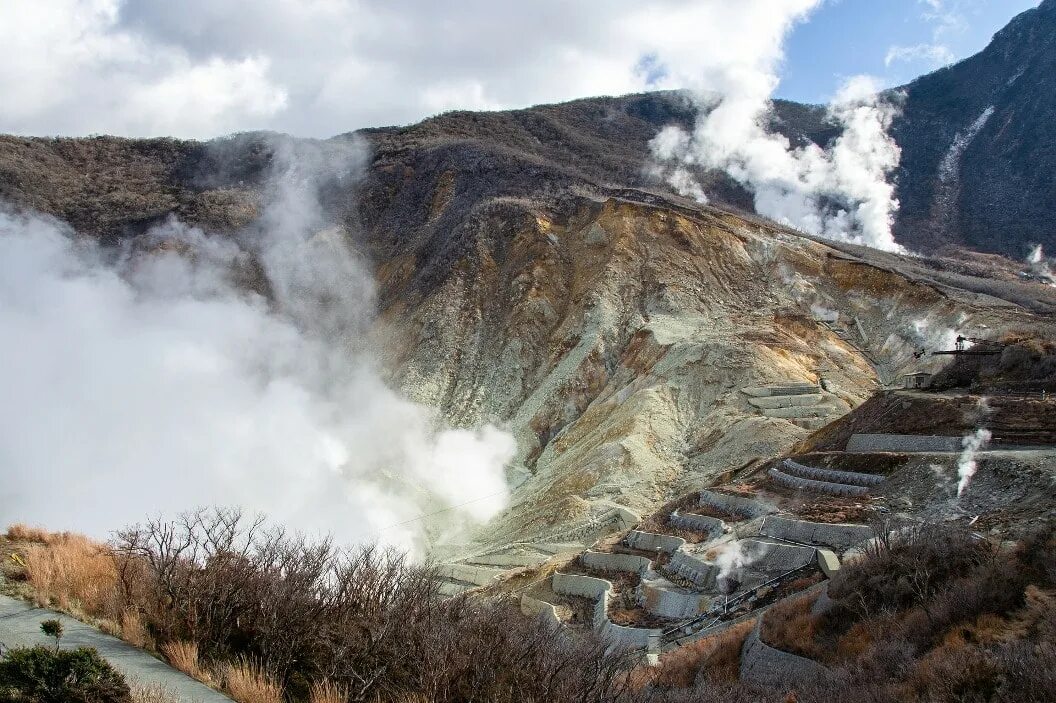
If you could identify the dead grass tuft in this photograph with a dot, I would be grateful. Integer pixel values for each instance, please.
(247, 682)
(133, 630)
(73, 572)
(327, 692)
(20, 532)
(153, 693)
(183, 655)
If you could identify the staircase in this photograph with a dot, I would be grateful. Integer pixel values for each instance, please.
(803, 404)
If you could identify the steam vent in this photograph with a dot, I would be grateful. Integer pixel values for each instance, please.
(661, 361)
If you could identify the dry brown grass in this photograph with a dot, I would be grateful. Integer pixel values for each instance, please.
(183, 655)
(247, 682)
(327, 692)
(790, 627)
(134, 631)
(720, 655)
(20, 532)
(153, 693)
(73, 572)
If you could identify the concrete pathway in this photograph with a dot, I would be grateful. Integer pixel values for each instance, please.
(20, 627)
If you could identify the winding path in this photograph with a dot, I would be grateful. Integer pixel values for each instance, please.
(20, 627)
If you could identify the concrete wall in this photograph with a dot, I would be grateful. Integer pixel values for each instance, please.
(649, 542)
(839, 537)
(806, 484)
(697, 523)
(509, 560)
(615, 562)
(734, 505)
(866, 443)
(661, 597)
(853, 478)
(480, 575)
(769, 558)
(693, 568)
(537, 608)
(763, 665)
(581, 586)
(600, 589)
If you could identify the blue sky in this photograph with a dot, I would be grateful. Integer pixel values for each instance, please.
(850, 37)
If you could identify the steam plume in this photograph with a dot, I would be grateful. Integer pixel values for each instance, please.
(154, 380)
(1041, 266)
(839, 192)
(966, 464)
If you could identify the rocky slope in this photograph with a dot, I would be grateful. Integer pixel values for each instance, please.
(639, 345)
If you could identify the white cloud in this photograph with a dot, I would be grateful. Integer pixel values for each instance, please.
(936, 55)
(199, 68)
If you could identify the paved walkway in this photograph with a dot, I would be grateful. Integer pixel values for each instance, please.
(20, 627)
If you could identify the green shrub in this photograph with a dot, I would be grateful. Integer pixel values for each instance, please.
(43, 675)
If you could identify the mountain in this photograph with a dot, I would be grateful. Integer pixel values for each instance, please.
(532, 273)
(979, 146)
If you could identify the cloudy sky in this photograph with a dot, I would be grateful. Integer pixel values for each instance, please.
(201, 68)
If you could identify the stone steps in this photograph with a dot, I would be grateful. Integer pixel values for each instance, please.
(784, 388)
(799, 413)
(786, 401)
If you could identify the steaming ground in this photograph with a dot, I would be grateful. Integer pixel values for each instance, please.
(150, 381)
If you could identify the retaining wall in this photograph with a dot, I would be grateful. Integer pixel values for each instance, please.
(479, 575)
(649, 542)
(615, 562)
(661, 597)
(781, 389)
(600, 589)
(537, 608)
(697, 523)
(806, 484)
(768, 557)
(865, 443)
(693, 568)
(763, 665)
(734, 505)
(850, 477)
(508, 560)
(839, 536)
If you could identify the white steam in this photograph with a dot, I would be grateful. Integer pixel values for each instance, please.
(966, 463)
(731, 558)
(1041, 266)
(840, 192)
(152, 380)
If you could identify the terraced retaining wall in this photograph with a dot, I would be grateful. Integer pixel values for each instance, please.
(805, 484)
(764, 665)
(697, 523)
(615, 562)
(767, 557)
(649, 542)
(600, 589)
(838, 536)
(693, 568)
(853, 478)
(661, 597)
(537, 608)
(734, 505)
(866, 443)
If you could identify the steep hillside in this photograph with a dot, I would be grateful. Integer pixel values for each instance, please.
(979, 145)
